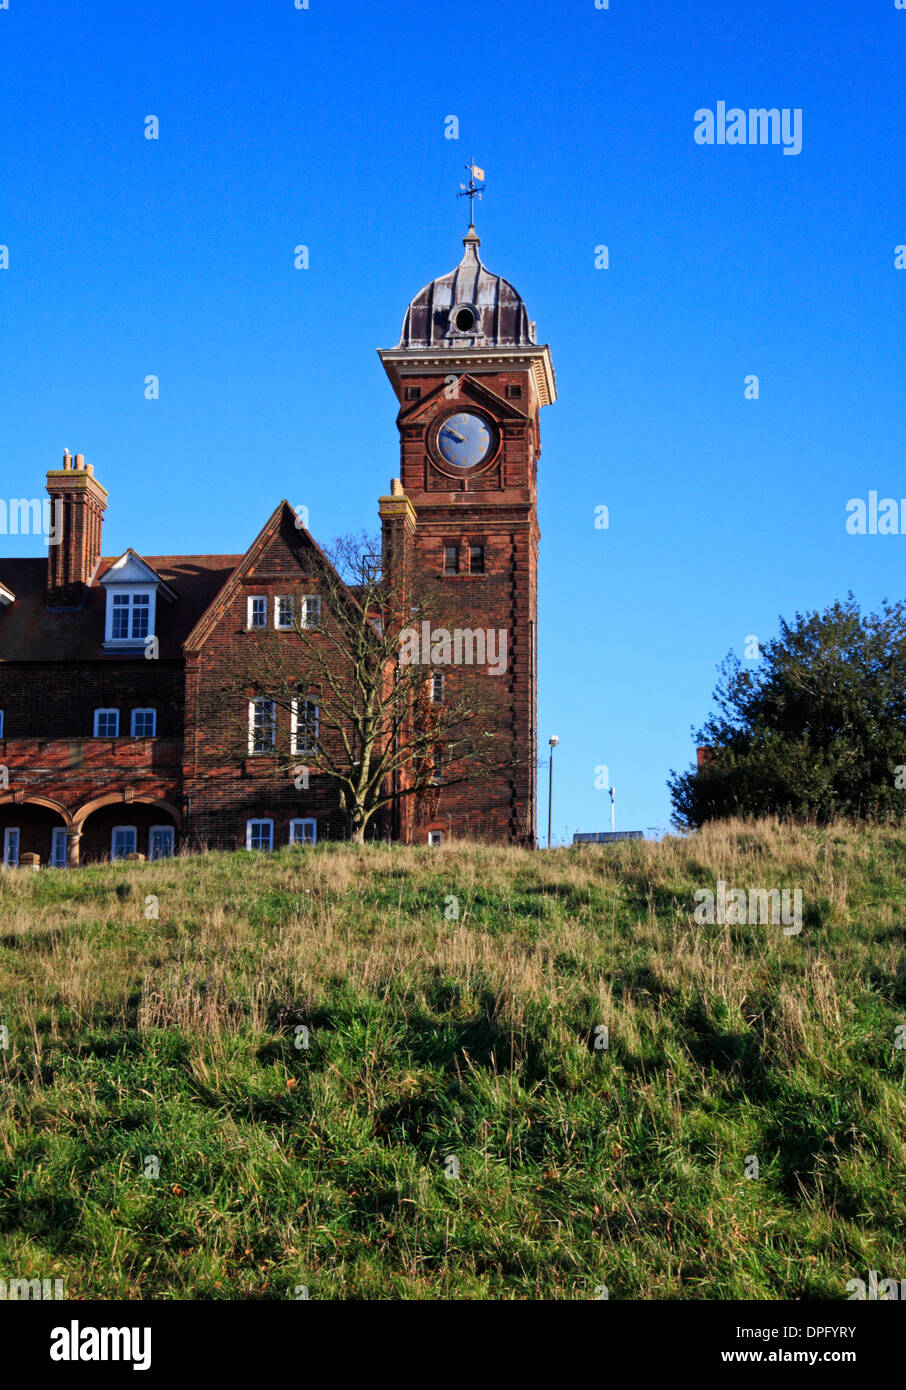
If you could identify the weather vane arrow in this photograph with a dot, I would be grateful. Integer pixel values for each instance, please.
(473, 191)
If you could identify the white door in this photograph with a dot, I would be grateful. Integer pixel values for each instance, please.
(11, 846)
(160, 842)
(58, 848)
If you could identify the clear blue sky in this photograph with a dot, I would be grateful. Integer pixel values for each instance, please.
(325, 127)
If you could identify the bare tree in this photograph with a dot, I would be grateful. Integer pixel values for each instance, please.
(359, 710)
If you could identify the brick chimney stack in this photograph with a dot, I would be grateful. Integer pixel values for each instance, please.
(77, 506)
(398, 523)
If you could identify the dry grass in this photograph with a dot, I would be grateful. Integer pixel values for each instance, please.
(466, 1033)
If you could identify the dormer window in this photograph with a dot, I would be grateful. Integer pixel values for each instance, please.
(130, 615)
(132, 591)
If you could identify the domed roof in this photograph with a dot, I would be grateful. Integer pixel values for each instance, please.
(467, 308)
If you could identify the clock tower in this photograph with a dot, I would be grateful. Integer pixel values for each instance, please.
(471, 379)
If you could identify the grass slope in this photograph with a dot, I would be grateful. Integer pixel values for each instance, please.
(137, 1043)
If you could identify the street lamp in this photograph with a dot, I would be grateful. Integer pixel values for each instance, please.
(553, 741)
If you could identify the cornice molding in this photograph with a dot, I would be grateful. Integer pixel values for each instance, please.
(402, 362)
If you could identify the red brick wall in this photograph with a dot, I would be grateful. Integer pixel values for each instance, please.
(225, 786)
(493, 505)
(54, 701)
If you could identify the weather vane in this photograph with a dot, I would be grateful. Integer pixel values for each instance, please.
(473, 191)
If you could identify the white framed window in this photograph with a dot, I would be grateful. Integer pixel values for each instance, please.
(257, 611)
(11, 846)
(451, 559)
(311, 611)
(437, 771)
(123, 841)
(435, 837)
(259, 834)
(303, 726)
(106, 723)
(437, 688)
(303, 831)
(160, 842)
(262, 727)
(129, 615)
(284, 612)
(58, 847)
(144, 723)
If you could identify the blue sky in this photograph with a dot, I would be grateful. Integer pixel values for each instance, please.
(325, 127)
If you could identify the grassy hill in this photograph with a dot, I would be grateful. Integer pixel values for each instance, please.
(438, 1041)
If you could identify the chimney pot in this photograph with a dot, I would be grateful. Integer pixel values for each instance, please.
(67, 460)
(80, 460)
(396, 487)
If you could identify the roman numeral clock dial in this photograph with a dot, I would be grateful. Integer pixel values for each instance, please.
(463, 439)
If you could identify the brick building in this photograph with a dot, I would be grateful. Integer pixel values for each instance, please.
(107, 742)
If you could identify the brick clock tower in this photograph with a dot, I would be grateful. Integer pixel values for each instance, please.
(471, 379)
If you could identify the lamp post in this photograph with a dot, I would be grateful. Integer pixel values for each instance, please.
(553, 741)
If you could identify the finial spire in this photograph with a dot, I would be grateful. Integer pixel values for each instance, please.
(473, 191)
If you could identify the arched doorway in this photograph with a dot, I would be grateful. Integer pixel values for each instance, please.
(34, 825)
(111, 827)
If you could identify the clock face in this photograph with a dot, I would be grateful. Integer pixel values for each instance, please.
(464, 439)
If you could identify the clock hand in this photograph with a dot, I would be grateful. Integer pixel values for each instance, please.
(446, 430)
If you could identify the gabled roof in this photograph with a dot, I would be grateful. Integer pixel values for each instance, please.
(284, 521)
(470, 386)
(130, 568)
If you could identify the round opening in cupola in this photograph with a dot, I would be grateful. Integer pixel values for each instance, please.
(465, 320)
